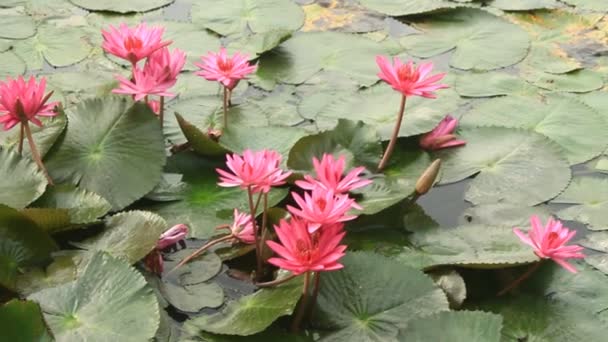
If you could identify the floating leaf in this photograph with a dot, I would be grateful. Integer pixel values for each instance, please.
(373, 297)
(82, 206)
(578, 81)
(250, 314)
(15, 25)
(514, 166)
(62, 270)
(470, 326)
(21, 181)
(590, 196)
(523, 5)
(406, 7)
(110, 301)
(238, 138)
(121, 6)
(493, 83)
(257, 43)
(453, 286)
(237, 16)
(474, 246)
(504, 214)
(482, 41)
(22, 244)
(193, 298)
(183, 34)
(583, 138)
(592, 5)
(44, 137)
(129, 235)
(22, 321)
(11, 64)
(112, 147)
(199, 140)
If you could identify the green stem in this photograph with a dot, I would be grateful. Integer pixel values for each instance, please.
(264, 222)
(225, 108)
(519, 280)
(393, 142)
(252, 208)
(201, 250)
(21, 133)
(161, 113)
(297, 321)
(34, 150)
(276, 281)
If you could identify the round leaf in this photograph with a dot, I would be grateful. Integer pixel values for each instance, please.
(590, 198)
(406, 7)
(121, 6)
(470, 326)
(16, 26)
(11, 64)
(21, 181)
(110, 301)
(113, 148)
(82, 206)
(22, 321)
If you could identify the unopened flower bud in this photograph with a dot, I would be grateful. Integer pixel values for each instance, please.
(428, 177)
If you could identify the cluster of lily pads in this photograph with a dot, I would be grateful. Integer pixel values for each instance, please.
(304, 179)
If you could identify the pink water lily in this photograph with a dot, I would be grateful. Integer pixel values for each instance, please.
(408, 79)
(146, 82)
(301, 252)
(258, 171)
(21, 100)
(242, 227)
(550, 242)
(442, 136)
(133, 44)
(224, 69)
(166, 63)
(172, 236)
(330, 176)
(322, 207)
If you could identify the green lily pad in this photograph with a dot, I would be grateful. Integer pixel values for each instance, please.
(22, 321)
(183, 34)
(238, 16)
(16, 26)
(452, 284)
(22, 244)
(62, 270)
(470, 326)
(194, 297)
(474, 246)
(199, 140)
(11, 64)
(121, 6)
(250, 314)
(407, 7)
(44, 137)
(588, 194)
(372, 298)
(523, 5)
(592, 5)
(79, 85)
(578, 81)
(493, 83)
(205, 204)
(128, 235)
(481, 41)
(21, 181)
(60, 46)
(583, 138)
(110, 301)
(112, 147)
(513, 166)
(504, 214)
(257, 43)
(82, 206)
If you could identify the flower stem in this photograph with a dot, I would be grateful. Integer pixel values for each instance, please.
(35, 153)
(276, 282)
(21, 132)
(201, 250)
(161, 113)
(225, 107)
(393, 141)
(146, 100)
(264, 222)
(519, 280)
(252, 208)
(297, 320)
(316, 283)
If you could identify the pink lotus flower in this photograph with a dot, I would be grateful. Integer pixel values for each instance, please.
(256, 170)
(322, 207)
(441, 136)
(409, 80)
(163, 62)
(155, 106)
(145, 82)
(172, 236)
(133, 44)
(329, 176)
(226, 70)
(242, 227)
(299, 252)
(20, 100)
(549, 242)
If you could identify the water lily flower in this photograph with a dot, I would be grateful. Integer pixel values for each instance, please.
(301, 252)
(408, 79)
(322, 207)
(22, 101)
(550, 242)
(329, 175)
(442, 136)
(257, 171)
(172, 236)
(242, 227)
(133, 44)
(146, 81)
(224, 69)
(166, 63)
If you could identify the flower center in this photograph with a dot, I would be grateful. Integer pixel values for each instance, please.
(552, 238)
(407, 73)
(133, 43)
(306, 251)
(225, 65)
(321, 203)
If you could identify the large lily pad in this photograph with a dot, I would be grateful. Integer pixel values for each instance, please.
(110, 301)
(121, 6)
(22, 321)
(11, 64)
(407, 7)
(16, 26)
(583, 138)
(372, 298)
(21, 181)
(523, 5)
(112, 147)
(129, 235)
(577, 81)
(183, 34)
(22, 244)
(238, 16)
(470, 326)
(238, 138)
(250, 314)
(44, 137)
(593, 5)
(513, 166)
(482, 41)
(82, 206)
(590, 199)
(493, 83)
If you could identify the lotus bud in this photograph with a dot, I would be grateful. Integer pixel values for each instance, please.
(428, 177)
